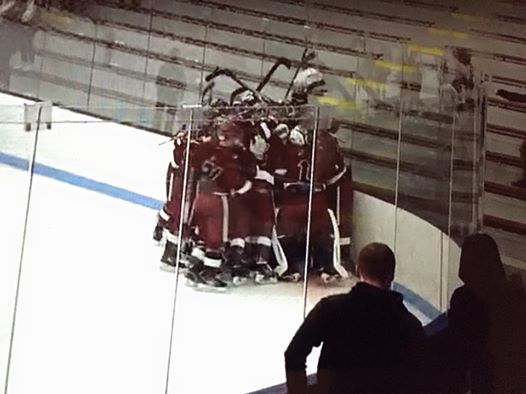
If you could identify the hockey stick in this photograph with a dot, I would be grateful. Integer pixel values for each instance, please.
(281, 257)
(218, 71)
(208, 88)
(229, 73)
(336, 253)
(280, 62)
(305, 58)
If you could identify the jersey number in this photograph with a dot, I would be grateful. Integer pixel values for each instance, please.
(211, 170)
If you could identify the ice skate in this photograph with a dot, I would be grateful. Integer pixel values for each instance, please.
(329, 276)
(206, 279)
(169, 258)
(167, 267)
(158, 233)
(237, 267)
(292, 277)
(170, 254)
(240, 275)
(263, 274)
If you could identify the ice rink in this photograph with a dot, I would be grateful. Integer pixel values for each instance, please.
(94, 309)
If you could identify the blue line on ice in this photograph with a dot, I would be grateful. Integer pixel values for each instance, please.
(82, 182)
(426, 308)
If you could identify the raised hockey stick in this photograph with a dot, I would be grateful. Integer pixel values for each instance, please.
(282, 61)
(230, 74)
(305, 58)
(208, 88)
(218, 71)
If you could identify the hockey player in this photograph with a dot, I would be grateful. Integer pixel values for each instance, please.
(168, 218)
(292, 216)
(267, 149)
(330, 167)
(224, 168)
(294, 207)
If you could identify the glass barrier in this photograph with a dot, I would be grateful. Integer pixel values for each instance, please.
(178, 42)
(259, 215)
(121, 61)
(468, 154)
(93, 306)
(17, 154)
(423, 174)
(423, 202)
(242, 220)
(240, 186)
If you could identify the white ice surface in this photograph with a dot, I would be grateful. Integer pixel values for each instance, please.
(94, 310)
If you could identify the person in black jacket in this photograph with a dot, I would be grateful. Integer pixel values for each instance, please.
(483, 348)
(371, 342)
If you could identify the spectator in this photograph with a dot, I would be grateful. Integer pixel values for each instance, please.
(16, 33)
(371, 342)
(171, 86)
(518, 98)
(483, 348)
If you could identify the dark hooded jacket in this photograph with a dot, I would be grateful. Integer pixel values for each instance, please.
(483, 348)
(371, 343)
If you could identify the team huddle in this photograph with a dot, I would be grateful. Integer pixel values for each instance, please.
(267, 191)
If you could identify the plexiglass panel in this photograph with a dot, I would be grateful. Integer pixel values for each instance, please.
(17, 148)
(93, 306)
(240, 223)
(260, 192)
(21, 61)
(424, 170)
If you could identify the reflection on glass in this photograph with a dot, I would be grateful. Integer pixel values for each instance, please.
(18, 62)
(171, 85)
(425, 143)
(87, 289)
(17, 150)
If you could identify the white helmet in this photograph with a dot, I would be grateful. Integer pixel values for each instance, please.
(307, 80)
(298, 136)
(282, 131)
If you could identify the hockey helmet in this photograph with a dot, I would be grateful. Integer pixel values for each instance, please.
(308, 81)
(230, 130)
(282, 131)
(298, 136)
(246, 98)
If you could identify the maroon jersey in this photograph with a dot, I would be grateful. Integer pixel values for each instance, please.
(223, 169)
(268, 163)
(296, 163)
(295, 167)
(330, 166)
(179, 151)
